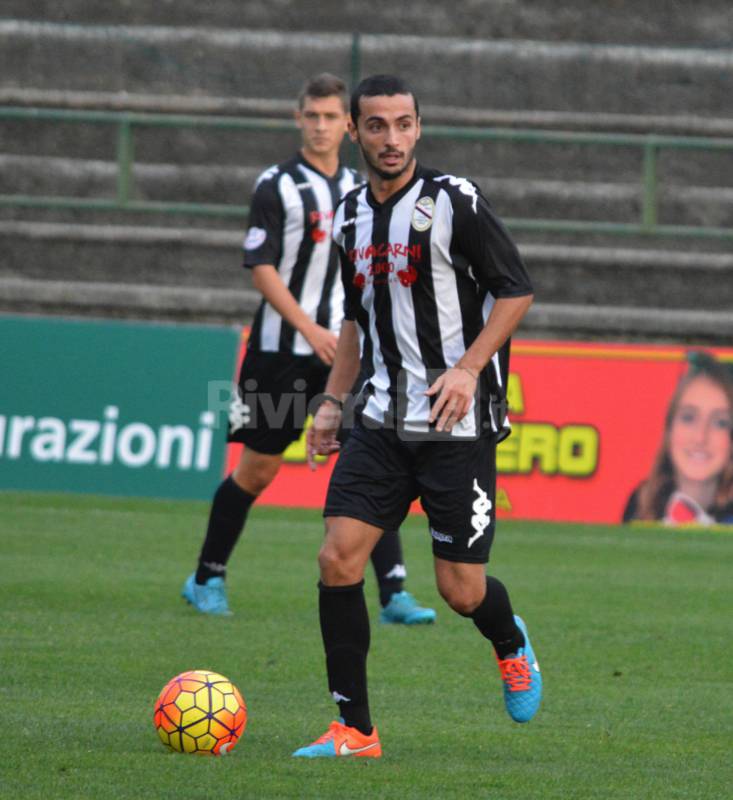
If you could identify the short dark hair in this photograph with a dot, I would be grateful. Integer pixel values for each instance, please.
(323, 85)
(376, 85)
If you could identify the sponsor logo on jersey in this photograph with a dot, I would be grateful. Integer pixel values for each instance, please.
(422, 216)
(385, 250)
(407, 276)
(255, 238)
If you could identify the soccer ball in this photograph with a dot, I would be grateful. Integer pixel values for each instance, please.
(200, 712)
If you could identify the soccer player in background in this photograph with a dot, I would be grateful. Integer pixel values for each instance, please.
(436, 287)
(294, 265)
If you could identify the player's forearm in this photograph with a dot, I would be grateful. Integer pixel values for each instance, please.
(503, 320)
(345, 369)
(267, 281)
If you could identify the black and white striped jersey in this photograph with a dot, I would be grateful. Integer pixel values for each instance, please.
(421, 273)
(290, 225)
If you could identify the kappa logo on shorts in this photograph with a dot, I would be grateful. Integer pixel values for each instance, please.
(239, 414)
(441, 537)
(422, 216)
(480, 518)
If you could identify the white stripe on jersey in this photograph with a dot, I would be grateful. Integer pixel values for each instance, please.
(404, 324)
(316, 274)
(292, 233)
(446, 298)
(374, 408)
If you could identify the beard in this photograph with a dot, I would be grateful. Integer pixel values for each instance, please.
(387, 175)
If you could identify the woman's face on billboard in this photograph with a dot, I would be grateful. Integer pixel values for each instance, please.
(700, 433)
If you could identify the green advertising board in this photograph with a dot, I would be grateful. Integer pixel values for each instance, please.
(113, 407)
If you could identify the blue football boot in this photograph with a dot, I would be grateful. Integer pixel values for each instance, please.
(209, 598)
(403, 609)
(520, 673)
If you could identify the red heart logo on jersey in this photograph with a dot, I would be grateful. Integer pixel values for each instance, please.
(407, 276)
(359, 281)
(318, 235)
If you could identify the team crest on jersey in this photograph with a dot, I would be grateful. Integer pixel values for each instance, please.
(422, 216)
(255, 238)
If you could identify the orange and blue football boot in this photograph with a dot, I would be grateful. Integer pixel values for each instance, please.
(520, 673)
(341, 740)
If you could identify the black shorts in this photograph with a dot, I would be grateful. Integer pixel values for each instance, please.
(275, 395)
(378, 475)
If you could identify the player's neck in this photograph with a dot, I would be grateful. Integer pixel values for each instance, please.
(328, 163)
(383, 189)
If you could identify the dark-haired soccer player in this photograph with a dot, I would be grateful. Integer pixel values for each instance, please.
(436, 287)
(293, 340)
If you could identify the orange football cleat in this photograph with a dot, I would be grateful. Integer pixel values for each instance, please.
(341, 740)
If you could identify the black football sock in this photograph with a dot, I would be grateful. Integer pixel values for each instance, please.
(495, 619)
(226, 519)
(345, 631)
(388, 565)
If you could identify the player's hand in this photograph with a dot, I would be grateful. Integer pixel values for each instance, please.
(321, 436)
(455, 389)
(323, 342)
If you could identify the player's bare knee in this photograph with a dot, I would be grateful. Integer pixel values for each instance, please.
(337, 568)
(460, 598)
(255, 477)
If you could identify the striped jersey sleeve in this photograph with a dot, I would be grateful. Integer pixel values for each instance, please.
(263, 241)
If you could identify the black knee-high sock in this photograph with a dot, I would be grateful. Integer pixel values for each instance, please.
(345, 631)
(226, 520)
(495, 619)
(389, 565)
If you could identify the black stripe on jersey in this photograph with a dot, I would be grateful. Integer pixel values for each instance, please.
(323, 313)
(383, 310)
(423, 296)
(351, 203)
(305, 251)
(470, 298)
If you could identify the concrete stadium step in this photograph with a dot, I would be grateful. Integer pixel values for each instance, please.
(210, 258)
(255, 149)
(707, 22)
(509, 74)
(678, 124)
(177, 304)
(229, 184)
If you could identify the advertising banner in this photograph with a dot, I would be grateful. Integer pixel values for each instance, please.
(113, 407)
(588, 425)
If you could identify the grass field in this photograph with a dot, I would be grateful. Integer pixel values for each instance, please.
(632, 628)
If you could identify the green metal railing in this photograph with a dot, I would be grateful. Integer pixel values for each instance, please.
(126, 123)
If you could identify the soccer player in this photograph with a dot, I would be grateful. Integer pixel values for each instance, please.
(293, 340)
(436, 288)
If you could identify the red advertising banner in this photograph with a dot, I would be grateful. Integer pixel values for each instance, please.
(588, 422)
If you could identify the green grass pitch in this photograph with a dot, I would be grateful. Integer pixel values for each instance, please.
(632, 629)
